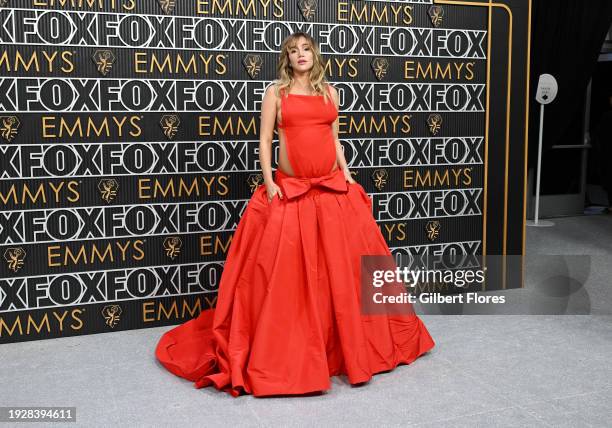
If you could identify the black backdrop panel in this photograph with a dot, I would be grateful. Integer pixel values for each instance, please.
(129, 144)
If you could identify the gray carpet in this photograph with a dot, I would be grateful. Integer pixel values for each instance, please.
(502, 370)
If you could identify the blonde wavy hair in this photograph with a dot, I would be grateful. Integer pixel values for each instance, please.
(285, 73)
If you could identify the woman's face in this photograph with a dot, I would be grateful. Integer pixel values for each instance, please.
(301, 55)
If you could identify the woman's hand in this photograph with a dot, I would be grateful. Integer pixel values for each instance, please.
(272, 189)
(349, 177)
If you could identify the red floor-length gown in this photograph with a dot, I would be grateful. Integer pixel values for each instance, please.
(288, 308)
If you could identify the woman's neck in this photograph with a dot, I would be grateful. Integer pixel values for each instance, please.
(302, 83)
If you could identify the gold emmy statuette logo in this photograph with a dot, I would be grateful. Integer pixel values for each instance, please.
(14, 257)
(380, 67)
(252, 63)
(167, 6)
(436, 13)
(3, 3)
(435, 123)
(170, 124)
(173, 246)
(254, 180)
(380, 177)
(108, 189)
(9, 126)
(433, 230)
(308, 8)
(111, 314)
(104, 60)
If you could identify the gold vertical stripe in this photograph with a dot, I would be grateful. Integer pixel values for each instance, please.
(525, 190)
(507, 153)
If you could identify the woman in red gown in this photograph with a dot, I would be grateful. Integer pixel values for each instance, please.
(288, 307)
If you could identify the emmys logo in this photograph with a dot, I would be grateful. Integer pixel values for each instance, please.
(380, 177)
(173, 246)
(433, 230)
(111, 314)
(254, 180)
(8, 127)
(170, 124)
(167, 6)
(380, 67)
(252, 63)
(308, 8)
(14, 257)
(3, 3)
(435, 123)
(436, 13)
(108, 188)
(104, 60)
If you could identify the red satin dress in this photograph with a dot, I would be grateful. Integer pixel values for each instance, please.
(288, 307)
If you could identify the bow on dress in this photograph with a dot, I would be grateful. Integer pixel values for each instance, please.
(297, 186)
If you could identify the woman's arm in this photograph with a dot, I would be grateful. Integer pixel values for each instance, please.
(339, 152)
(266, 133)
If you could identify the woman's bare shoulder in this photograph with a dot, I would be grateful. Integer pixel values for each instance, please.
(334, 93)
(273, 90)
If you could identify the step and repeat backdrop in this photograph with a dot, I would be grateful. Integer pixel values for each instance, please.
(129, 142)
